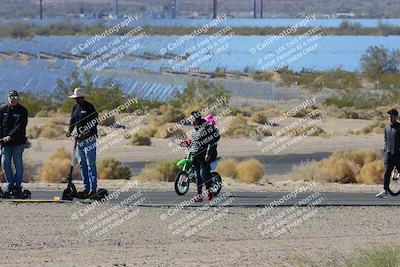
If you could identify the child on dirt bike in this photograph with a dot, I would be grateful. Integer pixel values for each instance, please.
(203, 150)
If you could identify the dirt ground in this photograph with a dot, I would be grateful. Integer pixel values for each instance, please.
(48, 235)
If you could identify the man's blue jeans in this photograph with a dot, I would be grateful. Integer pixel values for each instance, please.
(202, 169)
(86, 154)
(13, 153)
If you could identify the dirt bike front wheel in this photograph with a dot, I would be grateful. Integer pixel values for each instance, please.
(182, 183)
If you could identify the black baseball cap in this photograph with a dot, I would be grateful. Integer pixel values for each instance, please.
(13, 93)
(393, 112)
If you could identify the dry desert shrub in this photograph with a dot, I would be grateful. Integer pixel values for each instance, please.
(163, 170)
(107, 121)
(371, 173)
(338, 170)
(344, 167)
(227, 168)
(249, 171)
(167, 114)
(168, 131)
(237, 128)
(140, 139)
(56, 168)
(54, 129)
(388, 256)
(259, 117)
(148, 175)
(110, 169)
(374, 127)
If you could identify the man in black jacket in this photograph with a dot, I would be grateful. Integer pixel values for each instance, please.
(84, 120)
(391, 150)
(13, 121)
(203, 150)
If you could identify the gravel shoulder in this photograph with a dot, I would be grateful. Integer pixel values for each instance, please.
(229, 185)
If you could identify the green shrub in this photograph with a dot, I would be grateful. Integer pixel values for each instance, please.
(263, 76)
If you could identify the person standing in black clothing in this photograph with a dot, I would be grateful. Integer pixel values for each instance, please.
(84, 120)
(13, 122)
(391, 150)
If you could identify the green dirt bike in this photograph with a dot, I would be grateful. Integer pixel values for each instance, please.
(188, 175)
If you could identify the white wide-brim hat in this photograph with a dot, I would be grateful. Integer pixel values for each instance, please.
(78, 92)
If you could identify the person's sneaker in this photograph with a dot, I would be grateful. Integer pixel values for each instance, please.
(209, 196)
(198, 198)
(383, 194)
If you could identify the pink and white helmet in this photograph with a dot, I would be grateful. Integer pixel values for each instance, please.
(210, 119)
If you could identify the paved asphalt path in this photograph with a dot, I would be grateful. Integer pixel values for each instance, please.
(274, 164)
(247, 199)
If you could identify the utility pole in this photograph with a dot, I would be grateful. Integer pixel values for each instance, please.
(262, 9)
(215, 7)
(255, 9)
(116, 9)
(41, 9)
(173, 8)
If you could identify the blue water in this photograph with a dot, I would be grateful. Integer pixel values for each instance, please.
(184, 22)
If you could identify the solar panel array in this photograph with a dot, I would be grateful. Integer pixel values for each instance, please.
(40, 76)
(144, 54)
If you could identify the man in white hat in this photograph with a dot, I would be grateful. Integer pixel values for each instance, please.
(84, 120)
